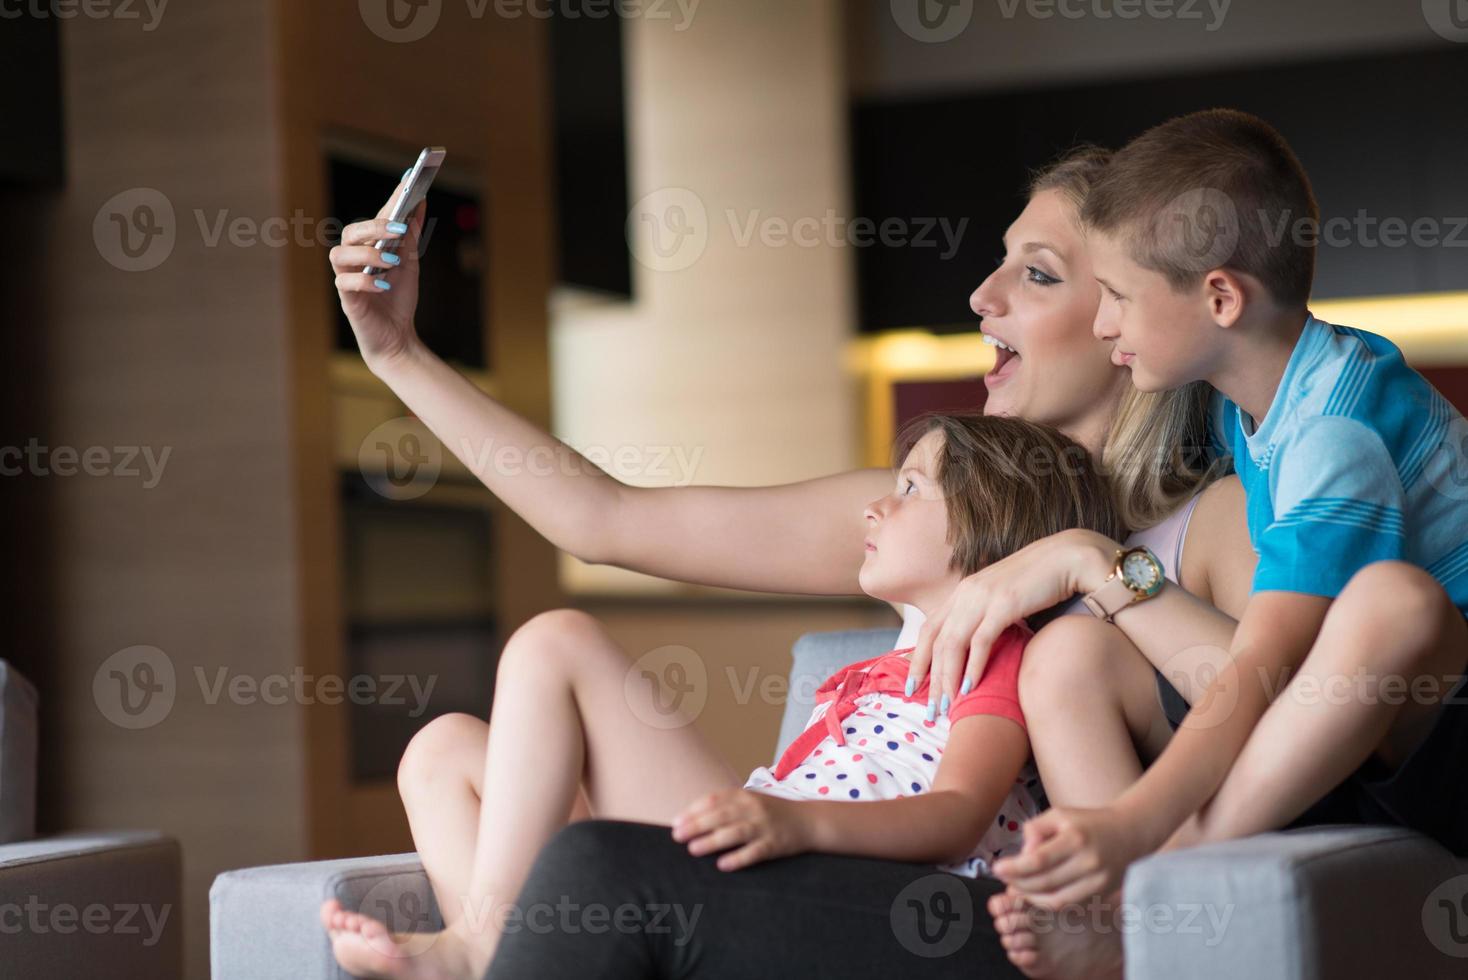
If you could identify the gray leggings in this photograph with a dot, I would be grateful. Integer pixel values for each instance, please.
(610, 899)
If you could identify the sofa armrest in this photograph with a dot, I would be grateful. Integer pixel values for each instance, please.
(1319, 902)
(90, 905)
(265, 923)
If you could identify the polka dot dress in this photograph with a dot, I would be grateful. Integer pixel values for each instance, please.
(880, 746)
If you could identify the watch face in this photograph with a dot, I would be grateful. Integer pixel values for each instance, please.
(1138, 571)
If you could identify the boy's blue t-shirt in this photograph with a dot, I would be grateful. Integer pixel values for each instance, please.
(1358, 459)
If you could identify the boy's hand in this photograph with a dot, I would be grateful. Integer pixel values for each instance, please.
(1070, 855)
(766, 826)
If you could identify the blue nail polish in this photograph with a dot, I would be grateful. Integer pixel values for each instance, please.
(944, 708)
(396, 228)
(389, 258)
(911, 683)
(932, 711)
(382, 284)
(967, 683)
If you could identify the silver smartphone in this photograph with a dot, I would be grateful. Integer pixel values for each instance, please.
(420, 178)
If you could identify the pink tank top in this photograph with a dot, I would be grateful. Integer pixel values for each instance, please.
(1164, 538)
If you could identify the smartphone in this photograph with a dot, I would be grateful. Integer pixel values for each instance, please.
(420, 178)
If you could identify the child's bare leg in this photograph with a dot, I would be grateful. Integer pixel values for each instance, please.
(441, 782)
(564, 712)
(1090, 704)
(1392, 620)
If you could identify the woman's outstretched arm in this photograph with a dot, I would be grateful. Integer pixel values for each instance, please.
(802, 537)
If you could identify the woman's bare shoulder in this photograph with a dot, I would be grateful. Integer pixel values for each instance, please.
(1218, 556)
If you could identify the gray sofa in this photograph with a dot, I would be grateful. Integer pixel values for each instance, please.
(78, 905)
(1329, 902)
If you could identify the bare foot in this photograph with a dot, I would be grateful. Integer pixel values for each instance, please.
(365, 948)
(1076, 943)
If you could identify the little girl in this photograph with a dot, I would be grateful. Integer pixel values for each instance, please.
(973, 489)
(577, 731)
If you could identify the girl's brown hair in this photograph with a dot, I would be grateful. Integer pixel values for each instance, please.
(1156, 452)
(1007, 482)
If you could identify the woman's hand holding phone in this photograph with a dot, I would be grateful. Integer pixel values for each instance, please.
(380, 305)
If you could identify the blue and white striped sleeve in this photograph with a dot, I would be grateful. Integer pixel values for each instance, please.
(1337, 503)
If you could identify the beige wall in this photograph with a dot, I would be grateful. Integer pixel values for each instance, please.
(735, 358)
(187, 358)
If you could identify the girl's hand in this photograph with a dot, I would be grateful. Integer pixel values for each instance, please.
(956, 639)
(1071, 854)
(381, 319)
(766, 826)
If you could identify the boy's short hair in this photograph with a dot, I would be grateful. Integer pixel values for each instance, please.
(1008, 482)
(1212, 189)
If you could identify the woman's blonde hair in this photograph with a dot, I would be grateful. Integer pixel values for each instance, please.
(1156, 453)
(1007, 482)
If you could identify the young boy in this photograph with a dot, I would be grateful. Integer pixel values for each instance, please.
(1344, 699)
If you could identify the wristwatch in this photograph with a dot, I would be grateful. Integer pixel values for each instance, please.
(1138, 576)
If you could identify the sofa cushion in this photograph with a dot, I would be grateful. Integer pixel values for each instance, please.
(18, 742)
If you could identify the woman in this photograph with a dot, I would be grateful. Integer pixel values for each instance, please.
(800, 538)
